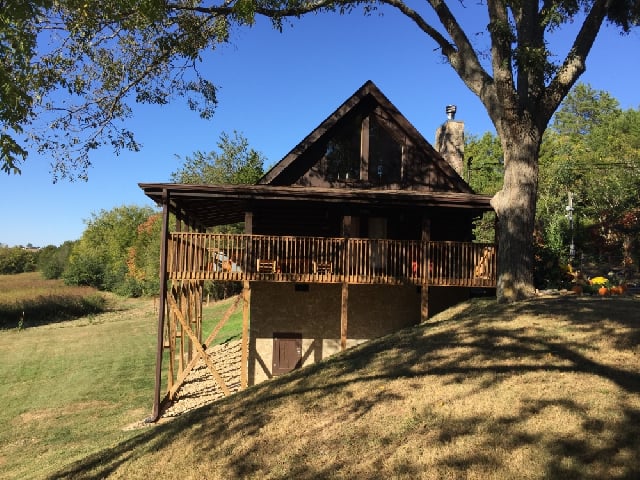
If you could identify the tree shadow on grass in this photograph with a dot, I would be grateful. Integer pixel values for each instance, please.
(486, 351)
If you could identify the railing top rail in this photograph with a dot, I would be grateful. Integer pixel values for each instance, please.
(295, 237)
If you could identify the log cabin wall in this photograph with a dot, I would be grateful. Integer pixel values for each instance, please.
(297, 220)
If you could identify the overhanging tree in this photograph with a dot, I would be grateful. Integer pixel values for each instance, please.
(104, 53)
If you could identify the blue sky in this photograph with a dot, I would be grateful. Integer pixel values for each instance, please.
(275, 88)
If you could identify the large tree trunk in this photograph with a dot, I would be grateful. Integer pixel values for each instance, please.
(515, 206)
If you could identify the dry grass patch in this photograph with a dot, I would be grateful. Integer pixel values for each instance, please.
(27, 300)
(543, 389)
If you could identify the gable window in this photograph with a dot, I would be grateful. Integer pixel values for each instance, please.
(365, 150)
(385, 154)
(342, 155)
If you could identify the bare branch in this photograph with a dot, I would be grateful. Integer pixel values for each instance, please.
(459, 52)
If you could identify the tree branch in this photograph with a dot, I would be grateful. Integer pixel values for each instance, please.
(227, 9)
(574, 65)
(501, 57)
(461, 55)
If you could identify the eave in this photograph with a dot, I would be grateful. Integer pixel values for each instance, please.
(210, 205)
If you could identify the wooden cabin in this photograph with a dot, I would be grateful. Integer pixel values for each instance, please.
(363, 228)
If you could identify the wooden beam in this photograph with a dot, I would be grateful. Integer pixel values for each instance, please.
(427, 266)
(248, 223)
(174, 387)
(161, 310)
(426, 229)
(424, 303)
(221, 323)
(364, 150)
(244, 356)
(343, 316)
(186, 328)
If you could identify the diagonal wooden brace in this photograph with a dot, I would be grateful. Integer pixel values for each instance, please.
(185, 325)
(181, 378)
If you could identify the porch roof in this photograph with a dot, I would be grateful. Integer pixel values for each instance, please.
(210, 205)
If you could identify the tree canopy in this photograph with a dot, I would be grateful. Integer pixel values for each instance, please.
(591, 152)
(595, 156)
(98, 259)
(71, 70)
(235, 163)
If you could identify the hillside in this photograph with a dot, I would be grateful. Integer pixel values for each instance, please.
(548, 388)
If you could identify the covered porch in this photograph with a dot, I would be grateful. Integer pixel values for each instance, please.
(336, 268)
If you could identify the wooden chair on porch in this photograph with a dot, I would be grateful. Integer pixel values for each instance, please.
(322, 268)
(266, 266)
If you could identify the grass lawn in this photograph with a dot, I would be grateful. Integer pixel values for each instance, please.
(27, 300)
(543, 389)
(232, 329)
(71, 388)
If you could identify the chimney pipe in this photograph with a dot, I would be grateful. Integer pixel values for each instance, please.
(451, 112)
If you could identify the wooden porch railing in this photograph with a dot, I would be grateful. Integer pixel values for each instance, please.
(203, 256)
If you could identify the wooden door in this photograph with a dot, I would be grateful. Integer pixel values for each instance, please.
(287, 352)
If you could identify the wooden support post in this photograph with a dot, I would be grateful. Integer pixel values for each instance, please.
(426, 229)
(174, 387)
(244, 356)
(343, 316)
(248, 223)
(424, 303)
(187, 330)
(427, 263)
(161, 310)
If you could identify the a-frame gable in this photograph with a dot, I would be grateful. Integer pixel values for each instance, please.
(420, 167)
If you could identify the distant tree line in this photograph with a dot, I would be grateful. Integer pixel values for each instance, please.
(17, 260)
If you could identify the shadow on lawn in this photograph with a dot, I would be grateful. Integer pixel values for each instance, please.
(474, 347)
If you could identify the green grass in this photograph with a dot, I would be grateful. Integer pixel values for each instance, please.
(232, 329)
(70, 388)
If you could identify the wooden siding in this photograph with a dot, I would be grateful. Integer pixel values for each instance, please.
(202, 256)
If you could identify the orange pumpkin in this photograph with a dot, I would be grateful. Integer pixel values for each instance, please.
(603, 291)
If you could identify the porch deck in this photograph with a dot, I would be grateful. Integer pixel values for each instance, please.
(225, 257)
